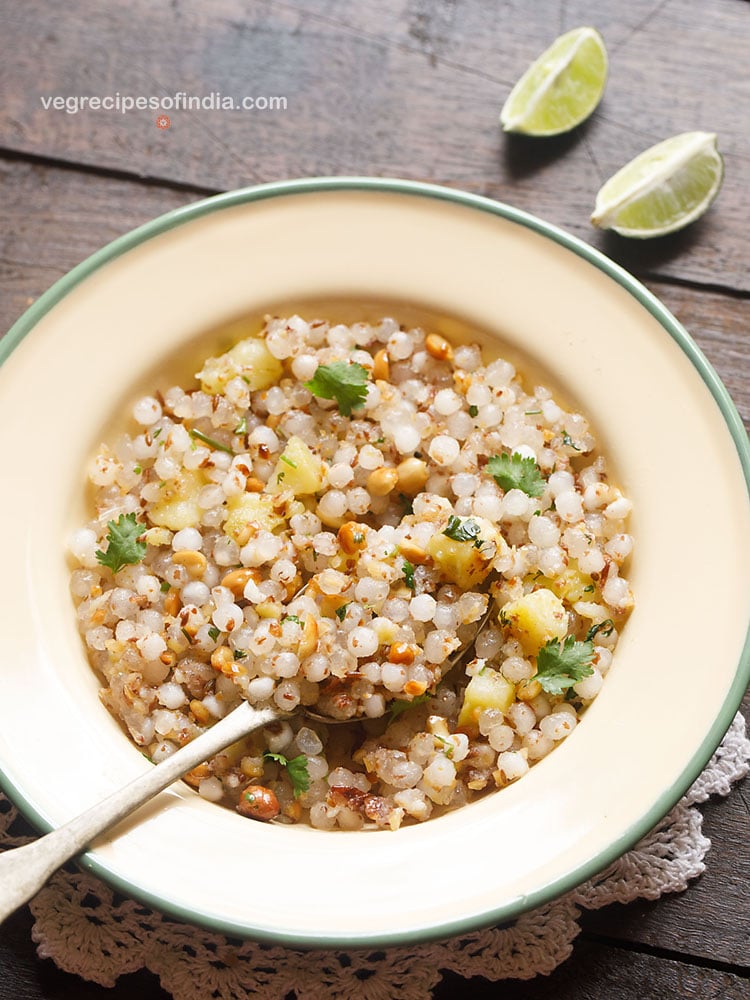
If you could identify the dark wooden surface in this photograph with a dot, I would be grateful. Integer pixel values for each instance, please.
(406, 88)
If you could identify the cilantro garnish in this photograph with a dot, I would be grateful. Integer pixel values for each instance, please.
(408, 570)
(211, 442)
(137, 469)
(607, 625)
(399, 705)
(473, 411)
(408, 504)
(241, 427)
(124, 548)
(463, 531)
(240, 654)
(214, 633)
(187, 635)
(590, 589)
(568, 440)
(296, 768)
(291, 618)
(165, 587)
(288, 461)
(447, 745)
(515, 472)
(560, 665)
(341, 612)
(346, 382)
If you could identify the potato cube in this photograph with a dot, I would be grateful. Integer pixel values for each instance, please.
(466, 563)
(250, 359)
(535, 619)
(297, 469)
(177, 507)
(487, 689)
(251, 508)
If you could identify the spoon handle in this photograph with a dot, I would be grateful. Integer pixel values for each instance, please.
(24, 870)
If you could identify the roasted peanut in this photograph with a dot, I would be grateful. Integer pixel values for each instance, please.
(412, 552)
(438, 347)
(197, 775)
(382, 367)
(200, 712)
(528, 690)
(351, 537)
(193, 561)
(238, 579)
(381, 481)
(172, 603)
(309, 641)
(412, 476)
(401, 652)
(222, 658)
(258, 802)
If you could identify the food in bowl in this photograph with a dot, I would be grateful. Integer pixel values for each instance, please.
(321, 524)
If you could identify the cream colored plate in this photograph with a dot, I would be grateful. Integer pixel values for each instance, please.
(659, 410)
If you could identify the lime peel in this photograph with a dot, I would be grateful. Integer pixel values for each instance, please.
(561, 88)
(663, 189)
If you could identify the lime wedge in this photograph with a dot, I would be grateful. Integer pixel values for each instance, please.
(662, 190)
(560, 89)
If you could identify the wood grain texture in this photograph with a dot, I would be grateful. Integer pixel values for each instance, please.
(407, 88)
(55, 218)
(712, 919)
(594, 971)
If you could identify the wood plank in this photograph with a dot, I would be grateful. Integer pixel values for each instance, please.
(410, 89)
(593, 971)
(712, 918)
(55, 218)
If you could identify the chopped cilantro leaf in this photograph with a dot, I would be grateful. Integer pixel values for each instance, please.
(137, 469)
(447, 745)
(211, 442)
(240, 654)
(473, 411)
(123, 547)
(399, 705)
(187, 635)
(515, 472)
(560, 665)
(291, 618)
(346, 382)
(280, 476)
(590, 589)
(408, 504)
(463, 531)
(606, 628)
(165, 586)
(408, 569)
(241, 427)
(296, 768)
(341, 612)
(214, 633)
(531, 413)
(568, 440)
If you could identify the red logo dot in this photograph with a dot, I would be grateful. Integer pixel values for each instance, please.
(163, 121)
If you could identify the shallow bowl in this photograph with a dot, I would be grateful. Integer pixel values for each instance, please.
(142, 309)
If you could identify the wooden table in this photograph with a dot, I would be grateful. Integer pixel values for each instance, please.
(408, 88)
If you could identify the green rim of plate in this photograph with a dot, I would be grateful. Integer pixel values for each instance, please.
(676, 331)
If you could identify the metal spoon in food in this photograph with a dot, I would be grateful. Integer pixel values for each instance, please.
(24, 870)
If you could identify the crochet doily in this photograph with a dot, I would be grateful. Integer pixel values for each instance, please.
(88, 930)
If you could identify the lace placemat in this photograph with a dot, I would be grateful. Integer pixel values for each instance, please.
(88, 930)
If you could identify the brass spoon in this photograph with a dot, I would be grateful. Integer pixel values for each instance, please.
(24, 870)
